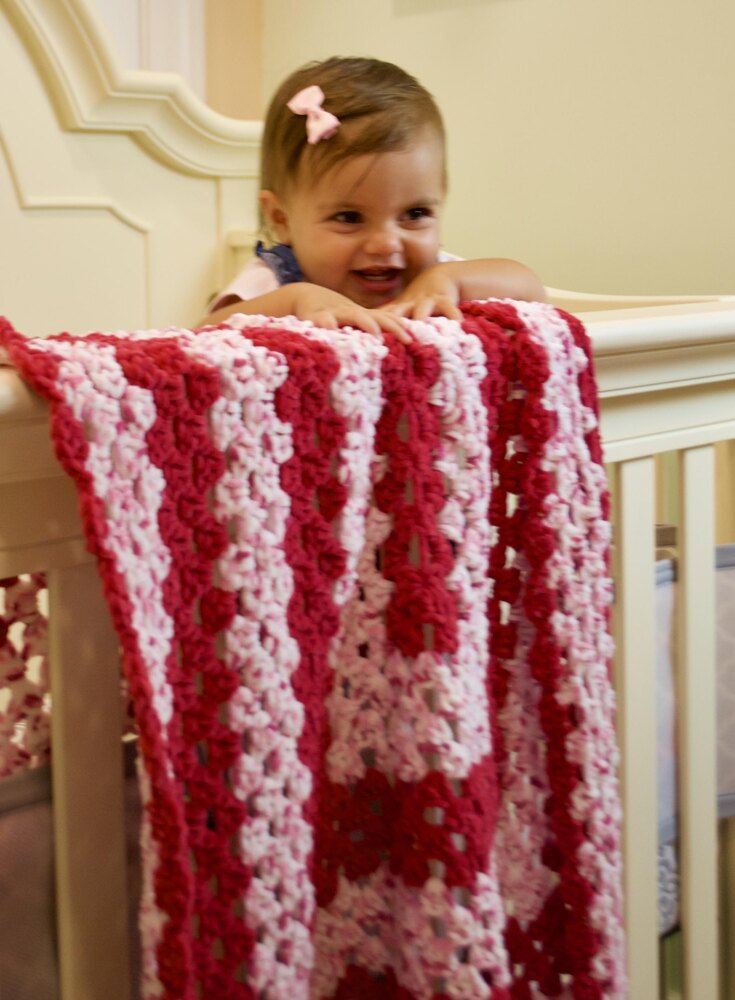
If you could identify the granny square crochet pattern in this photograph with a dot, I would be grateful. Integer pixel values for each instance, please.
(363, 595)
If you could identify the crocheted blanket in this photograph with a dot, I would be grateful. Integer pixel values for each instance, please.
(362, 593)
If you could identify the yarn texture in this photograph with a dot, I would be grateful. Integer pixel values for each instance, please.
(362, 592)
(24, 687)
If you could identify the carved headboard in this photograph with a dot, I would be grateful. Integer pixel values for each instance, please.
(124, 198)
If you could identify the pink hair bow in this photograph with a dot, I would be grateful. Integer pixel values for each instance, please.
(320, 124)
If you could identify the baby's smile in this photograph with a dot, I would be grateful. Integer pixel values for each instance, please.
(380, 279)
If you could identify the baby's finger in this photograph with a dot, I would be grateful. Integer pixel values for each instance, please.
(324, 319)
(395, 325)
(423, 308)
(366, 323)
(445, 307)
(397, 308)
(359, 319)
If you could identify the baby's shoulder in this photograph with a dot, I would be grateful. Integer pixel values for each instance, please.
(255, 279)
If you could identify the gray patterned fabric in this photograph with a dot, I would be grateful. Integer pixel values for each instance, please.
(668, 872)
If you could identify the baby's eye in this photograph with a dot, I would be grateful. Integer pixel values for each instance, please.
(347, 218)
(419, 212)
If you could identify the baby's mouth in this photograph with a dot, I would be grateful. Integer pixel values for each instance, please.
(380, 279)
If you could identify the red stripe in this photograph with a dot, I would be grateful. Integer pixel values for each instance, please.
(202, 747)
(316, 559)
(492, 324)
(359, 984)
(561, 939)
(394, 819)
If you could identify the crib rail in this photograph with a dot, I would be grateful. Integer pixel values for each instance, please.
(667, 383)
(666, 379)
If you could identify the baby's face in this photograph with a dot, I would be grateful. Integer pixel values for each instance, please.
(370, 225)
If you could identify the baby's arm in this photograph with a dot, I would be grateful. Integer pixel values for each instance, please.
(438, 290)
(324, 307)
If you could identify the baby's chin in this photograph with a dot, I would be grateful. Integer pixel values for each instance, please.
(374, 302)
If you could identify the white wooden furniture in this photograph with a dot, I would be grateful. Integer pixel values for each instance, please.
(126, 203)
(666, 378)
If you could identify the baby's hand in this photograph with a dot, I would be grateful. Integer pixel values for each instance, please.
(330, 310)
(439, 289)
(433, 293)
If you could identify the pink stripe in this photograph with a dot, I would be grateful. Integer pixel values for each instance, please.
(578, 570)
(436, 940)
(317, 559)
(275, 841)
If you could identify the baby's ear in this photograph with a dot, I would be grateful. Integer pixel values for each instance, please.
(275, 216)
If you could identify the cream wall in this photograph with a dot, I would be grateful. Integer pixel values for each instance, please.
(234, 48)
(594, 139)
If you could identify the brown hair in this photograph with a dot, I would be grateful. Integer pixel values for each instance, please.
(379, 105)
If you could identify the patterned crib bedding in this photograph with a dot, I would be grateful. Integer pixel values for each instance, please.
(24, 685)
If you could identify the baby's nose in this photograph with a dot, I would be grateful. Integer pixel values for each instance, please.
(384, 239)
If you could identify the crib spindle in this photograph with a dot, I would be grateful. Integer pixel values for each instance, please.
(633, 483)
(726, 877)
(697, 734)
(87, 767)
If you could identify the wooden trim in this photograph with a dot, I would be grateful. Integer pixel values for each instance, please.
(92, 93)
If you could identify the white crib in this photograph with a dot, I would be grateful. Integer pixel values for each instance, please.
(665, 380)
(126, 204)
